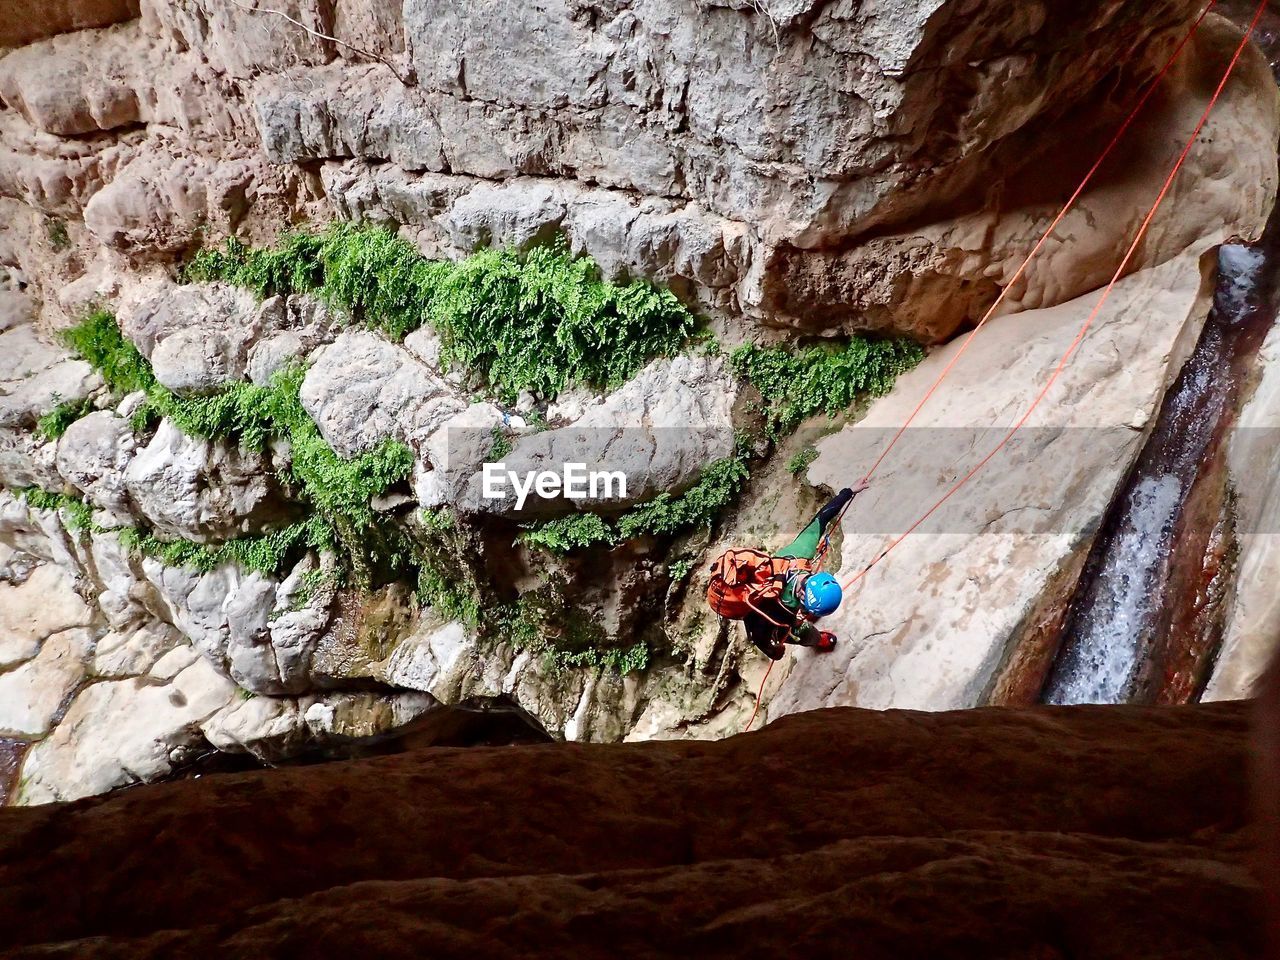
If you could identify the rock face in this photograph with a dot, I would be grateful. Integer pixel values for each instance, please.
(737, 152)
(786, 168)
(1253, 625)
(29, 20)
(983, 563)
(201, 489)
(985, 567)
(1060, 816)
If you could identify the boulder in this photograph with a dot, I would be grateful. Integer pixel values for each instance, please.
(27, 460)
(659, 431)
(157, 201)
(196, 361)
(164, 310)
(362, 389)
(93, 456)
(68, 87)
(202, 490)
(260, 632)
(16, 309)
(118, 732)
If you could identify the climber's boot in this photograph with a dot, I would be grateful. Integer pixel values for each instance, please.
(826, 642)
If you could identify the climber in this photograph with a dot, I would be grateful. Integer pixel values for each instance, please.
(779, 597)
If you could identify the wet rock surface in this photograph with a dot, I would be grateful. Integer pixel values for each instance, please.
(1042, 832)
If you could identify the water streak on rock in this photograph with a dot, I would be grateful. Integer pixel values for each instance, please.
(1144, 624)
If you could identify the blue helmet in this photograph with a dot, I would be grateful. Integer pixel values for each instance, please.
(821, 594)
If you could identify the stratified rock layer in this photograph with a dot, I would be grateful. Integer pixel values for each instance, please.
(989, 833)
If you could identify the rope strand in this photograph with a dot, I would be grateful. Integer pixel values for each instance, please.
(1093, 314)
(1067, 207)
(1004, 293)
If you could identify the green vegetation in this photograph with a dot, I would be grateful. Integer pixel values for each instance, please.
(719, 484)
(78, 514)
(501, 445)
(678, 570)
(540, 321)
(54, 423)
(98, 340)
(444, 581)
(338, 491)
(270, 553)
(570, 533)
(664, 515)
(799, 463)
(56, 231)
(540, 622)
(798, 384)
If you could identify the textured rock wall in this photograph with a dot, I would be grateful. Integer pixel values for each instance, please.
(822, 166)
(763, 165)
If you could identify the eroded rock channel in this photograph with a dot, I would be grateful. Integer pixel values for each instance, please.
(1148, 616)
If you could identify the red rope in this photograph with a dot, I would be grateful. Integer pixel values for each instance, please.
(1106, 294)
(1071, 202)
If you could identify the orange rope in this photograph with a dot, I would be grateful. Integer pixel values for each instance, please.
(1142, 231)
(759, 694)
(1106, 294)
(1071, 202)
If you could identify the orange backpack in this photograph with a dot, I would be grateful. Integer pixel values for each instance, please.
(741, 579)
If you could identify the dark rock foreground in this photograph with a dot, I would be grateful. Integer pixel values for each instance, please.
(1044, 833)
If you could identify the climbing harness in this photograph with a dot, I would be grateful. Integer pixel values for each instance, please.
(1093, 314)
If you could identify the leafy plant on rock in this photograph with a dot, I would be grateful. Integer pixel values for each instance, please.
(797, 384)
(539, 321)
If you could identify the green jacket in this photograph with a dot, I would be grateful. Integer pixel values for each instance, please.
(805, 546)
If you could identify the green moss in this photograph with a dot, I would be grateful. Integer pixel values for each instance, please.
(540, 621)
(796, 384)
(680, 569)
(540, 321)
(664, 515)
(799, 463)
(55, 423)
(700, 505)
(570, 533)
(339, 492)
(77, 514)
(98, 340)
(501, 445)
(271, 553)
(439, 520)
(56, 230)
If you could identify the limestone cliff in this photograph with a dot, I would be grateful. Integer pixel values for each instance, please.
(251, 525)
